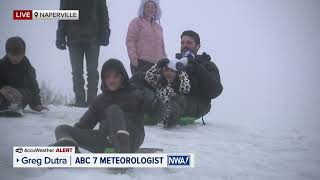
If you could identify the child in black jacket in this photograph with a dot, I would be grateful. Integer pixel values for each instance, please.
(118, 111)
(18, 83)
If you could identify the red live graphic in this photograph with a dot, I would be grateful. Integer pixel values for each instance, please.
(22, 14)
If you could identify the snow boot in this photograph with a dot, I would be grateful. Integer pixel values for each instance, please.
(78, 104)
(67, 142)
(123, 138)
(80, 99)
(120, 141)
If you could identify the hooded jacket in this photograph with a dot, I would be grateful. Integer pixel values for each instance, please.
(22, 77)
(158, 14)
(129, 98)
(92, 26)
(144, 40)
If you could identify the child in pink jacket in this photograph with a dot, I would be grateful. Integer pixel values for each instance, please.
(145, 42)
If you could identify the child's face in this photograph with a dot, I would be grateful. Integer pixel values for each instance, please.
(169, 74)
(113, 80)
(15, 59)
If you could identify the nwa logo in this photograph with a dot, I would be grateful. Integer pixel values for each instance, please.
(19, 150)
(178, 160)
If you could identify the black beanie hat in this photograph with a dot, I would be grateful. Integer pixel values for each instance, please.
(15, 45)
(192, 34)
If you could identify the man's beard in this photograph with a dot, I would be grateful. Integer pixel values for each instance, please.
(184, 50)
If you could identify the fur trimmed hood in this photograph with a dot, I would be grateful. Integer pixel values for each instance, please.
(158, 9)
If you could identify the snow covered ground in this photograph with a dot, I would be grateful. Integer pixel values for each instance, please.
(223, 150)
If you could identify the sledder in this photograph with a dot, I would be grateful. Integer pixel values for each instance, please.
(169, 79)
(205, 83)
(18, 83)
(185, 108)
(119, 110)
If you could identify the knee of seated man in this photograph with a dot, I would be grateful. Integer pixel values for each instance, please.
(204, 109)
(181, 99)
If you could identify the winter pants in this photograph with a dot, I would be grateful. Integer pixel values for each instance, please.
(193, 106)
(91, 53)
(143, 66)
(10, 95)
(182, 106)
(97, 140)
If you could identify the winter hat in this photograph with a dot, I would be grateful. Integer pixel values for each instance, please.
(15, 45)
(192, 34)
(158, 9)
(116, 65)
(172, 63)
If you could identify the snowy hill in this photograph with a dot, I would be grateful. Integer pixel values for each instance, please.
(222, 150)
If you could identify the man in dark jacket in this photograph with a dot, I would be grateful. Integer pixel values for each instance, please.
(84, 38)
(119, 110)
(18, 83)
(205, 83)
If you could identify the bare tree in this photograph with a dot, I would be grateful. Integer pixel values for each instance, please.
(51, 96)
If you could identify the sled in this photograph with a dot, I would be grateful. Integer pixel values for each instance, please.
(150, 150)
(10, 113)
(151, 121)
(140, 150)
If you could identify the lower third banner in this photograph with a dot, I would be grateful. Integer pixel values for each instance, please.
(65, 157)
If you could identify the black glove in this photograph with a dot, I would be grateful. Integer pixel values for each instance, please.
(179, 56)
(61, 41)
(192, 61)
(163, 62)
(188, 55)
(104, 39)
(60, 44)
(179, 67)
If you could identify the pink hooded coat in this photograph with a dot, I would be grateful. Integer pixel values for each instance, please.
(144, 39)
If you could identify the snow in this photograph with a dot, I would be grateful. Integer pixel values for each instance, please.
(224, 149)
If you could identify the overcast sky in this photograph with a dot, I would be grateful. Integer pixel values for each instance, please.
(268, 52)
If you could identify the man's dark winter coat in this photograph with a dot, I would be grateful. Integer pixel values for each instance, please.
(92, 26)
(205, 78)
(129, 98)
(21, 76)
